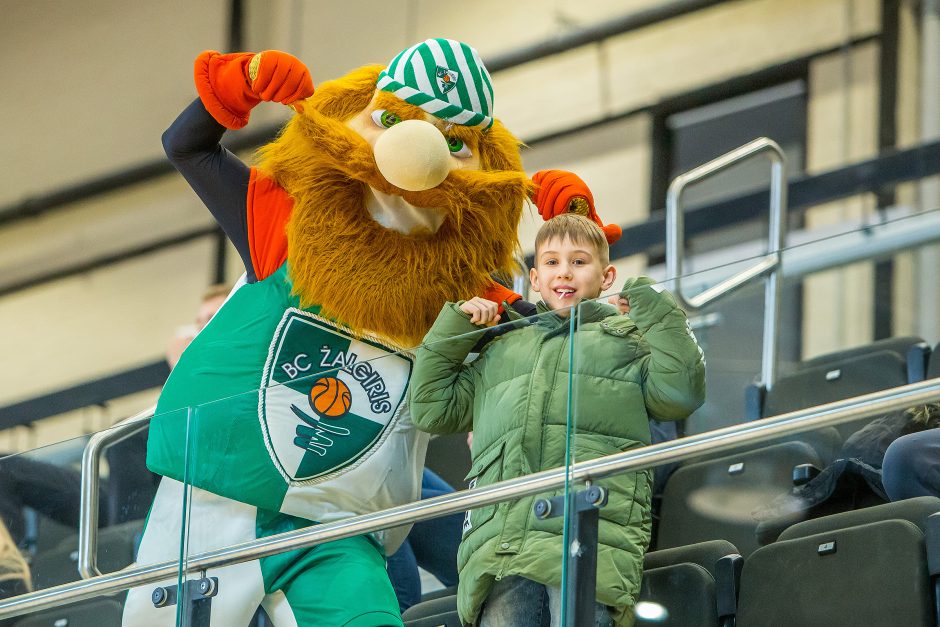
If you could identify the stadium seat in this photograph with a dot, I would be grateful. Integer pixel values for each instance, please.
(696, 585)
(117, 547)
(933, 364)
(837, 376)
(42, 533)
(449, 457)
(876, 567)
(914, 350)
(714, 499)
(92, 613)
(439, 612)
(440, 592)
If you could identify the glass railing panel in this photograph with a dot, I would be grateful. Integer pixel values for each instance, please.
(334, 435)
(41, 495)
(748, 495)
(635, 369)
(153, 496)
(42, 512)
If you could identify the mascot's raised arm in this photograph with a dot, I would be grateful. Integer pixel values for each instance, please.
(391, 191)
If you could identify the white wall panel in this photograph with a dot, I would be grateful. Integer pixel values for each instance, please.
(724, 41)
(842, 127)
(100, 323)
(89, 85)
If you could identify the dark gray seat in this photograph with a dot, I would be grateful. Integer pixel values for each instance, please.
(117, 547)
(695, 585)
(439, 612)
(837, 376)
(715, 499)
(933, 364)
(449, 457)
(104, 612)
(876, 567)
(912, 349)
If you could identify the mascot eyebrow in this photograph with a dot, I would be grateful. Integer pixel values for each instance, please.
(470, 135)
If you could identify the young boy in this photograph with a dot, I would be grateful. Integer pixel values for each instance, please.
(514, 397)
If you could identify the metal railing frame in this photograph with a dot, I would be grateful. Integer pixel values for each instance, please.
(719, 440)
(91, 472)
(768, 266)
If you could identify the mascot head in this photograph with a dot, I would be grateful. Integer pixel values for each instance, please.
(407, 192)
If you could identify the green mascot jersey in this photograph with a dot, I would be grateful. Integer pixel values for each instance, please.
(275, 406)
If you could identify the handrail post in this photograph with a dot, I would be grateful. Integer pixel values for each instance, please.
(90, 497)
(772, 287)
(769, 265)
(520, 276)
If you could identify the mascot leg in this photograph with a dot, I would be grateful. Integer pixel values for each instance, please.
(214, 522)
(338, 584)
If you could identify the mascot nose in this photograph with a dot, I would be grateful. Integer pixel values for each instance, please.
(413, 155)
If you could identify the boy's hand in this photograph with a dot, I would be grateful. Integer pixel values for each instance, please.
(621, 302)
(633, 283)
(647, 299)
(481, 311)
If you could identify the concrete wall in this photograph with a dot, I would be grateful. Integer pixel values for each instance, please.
(91, 84)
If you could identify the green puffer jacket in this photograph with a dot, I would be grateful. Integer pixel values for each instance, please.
(514, 397)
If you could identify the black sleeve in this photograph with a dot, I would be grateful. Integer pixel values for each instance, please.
(522, 307)
(217, 176)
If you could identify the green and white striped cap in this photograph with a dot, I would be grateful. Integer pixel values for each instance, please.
(444, 77)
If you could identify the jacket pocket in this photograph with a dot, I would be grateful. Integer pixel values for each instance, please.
(486, 469)
(628, 493)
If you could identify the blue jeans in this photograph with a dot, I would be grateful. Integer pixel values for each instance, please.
(432, 545)
(520, 602)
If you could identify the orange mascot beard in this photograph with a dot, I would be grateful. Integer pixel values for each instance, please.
(373, 279)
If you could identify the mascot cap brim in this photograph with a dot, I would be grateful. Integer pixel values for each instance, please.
(444, 77)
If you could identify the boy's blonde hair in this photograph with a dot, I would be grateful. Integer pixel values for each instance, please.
(576, 228)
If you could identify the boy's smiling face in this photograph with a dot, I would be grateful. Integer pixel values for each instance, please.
(568, 272)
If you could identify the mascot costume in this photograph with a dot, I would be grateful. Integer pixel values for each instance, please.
(391, 191)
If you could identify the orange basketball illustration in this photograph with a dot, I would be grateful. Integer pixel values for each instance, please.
(330, 397)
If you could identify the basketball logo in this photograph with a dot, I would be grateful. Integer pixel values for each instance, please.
(330, 397)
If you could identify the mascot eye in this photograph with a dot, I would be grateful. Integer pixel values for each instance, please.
(385, 118)
(458, 148)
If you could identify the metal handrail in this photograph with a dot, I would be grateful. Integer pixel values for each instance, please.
(457, 502)
(768, 266)
(88, 507)
(520, 275)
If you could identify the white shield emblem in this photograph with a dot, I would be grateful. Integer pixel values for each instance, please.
(328, 399)
(446, 79)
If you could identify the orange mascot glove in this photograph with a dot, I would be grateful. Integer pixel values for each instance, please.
(561, 192)
(230, 85)
(500, 294)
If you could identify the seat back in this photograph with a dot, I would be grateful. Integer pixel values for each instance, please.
(830, 381)
(117, 548)
(933, 364)
(913, 350)
(865, 567)
(92, 613)
(449, 457)
(686, 583)
(439, 612)
(714, 499)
